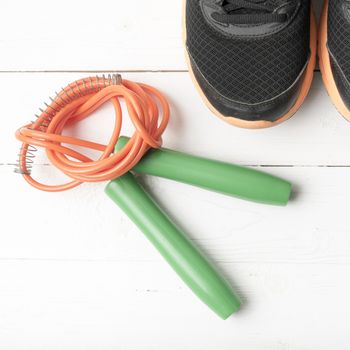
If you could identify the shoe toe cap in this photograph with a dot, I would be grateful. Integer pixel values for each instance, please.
(270, 110)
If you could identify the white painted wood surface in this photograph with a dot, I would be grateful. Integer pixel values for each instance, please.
(92, 35)
(76, 274)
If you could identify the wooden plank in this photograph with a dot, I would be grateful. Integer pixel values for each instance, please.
(83, 224)
(103, 35)
(112, 305)
(316, 136)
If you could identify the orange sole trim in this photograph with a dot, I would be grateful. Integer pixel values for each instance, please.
(261, 124)
(325, 65)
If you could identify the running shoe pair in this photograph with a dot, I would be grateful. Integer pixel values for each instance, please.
(253, 61)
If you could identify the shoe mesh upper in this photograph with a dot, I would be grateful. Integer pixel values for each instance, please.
(249, 71)
(339, 34)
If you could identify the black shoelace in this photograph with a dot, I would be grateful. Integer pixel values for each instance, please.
(248, 12)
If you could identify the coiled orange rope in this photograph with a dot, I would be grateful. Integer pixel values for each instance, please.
(76, 102)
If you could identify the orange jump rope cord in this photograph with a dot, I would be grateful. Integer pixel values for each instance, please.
(76, 102)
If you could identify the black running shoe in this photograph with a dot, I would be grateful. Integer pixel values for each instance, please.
(251, 60)
(334, 52)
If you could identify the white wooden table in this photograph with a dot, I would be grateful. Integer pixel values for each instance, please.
(76, 274)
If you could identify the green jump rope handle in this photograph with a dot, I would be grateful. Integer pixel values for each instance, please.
(171, 242)
(224, 178)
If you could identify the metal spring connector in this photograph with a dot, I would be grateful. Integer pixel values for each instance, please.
(24, 164)
(67, 95)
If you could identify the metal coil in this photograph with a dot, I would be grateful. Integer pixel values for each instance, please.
(67, 95)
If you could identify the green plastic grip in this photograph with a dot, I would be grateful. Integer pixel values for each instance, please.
(229, 179)
(189, 263)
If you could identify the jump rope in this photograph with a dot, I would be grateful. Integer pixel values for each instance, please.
(149, 112)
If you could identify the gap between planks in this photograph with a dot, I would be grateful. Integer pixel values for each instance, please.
(243, 165)
(160, 261)
(97, 71)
